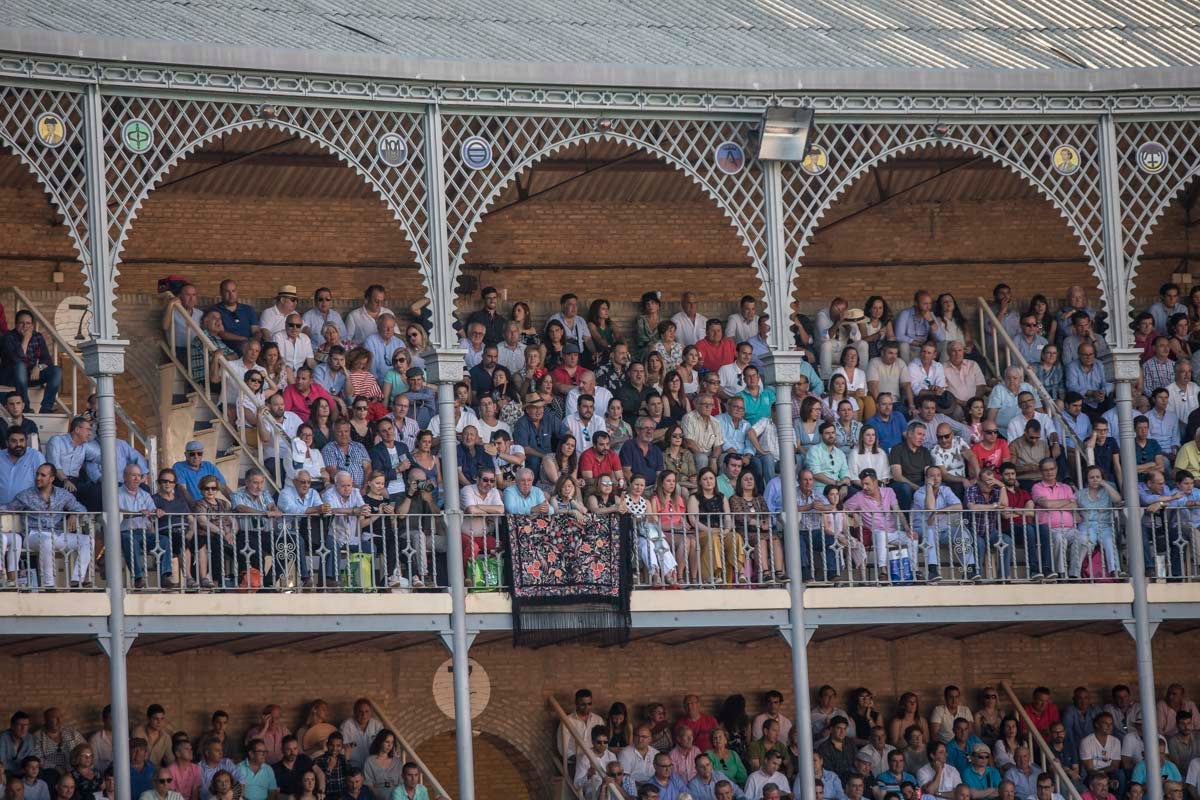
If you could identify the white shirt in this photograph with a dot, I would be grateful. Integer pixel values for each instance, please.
(785, 726)
(1016, 426)
(345, 530)
(360, 324)
(473, 356)
(396, 485)
(950, 776)
(601, 395)
(943, 717)
(731, 377)
(470, 496)
(1133, 748)
(688, 331)
(582, 432)
(1183, 401)
(183, 334)
(309, 459)
(1102, 754)
(486, 431)
(583, 764)
(858, 380)
(272, 320)
(357, 755)
(275, 444)
(1193, 774)
(295, 353)
(922, 380)
(511, 358)
(636, 766)
(583, 727)
(465, 418)
(738, 329)
(759, 780)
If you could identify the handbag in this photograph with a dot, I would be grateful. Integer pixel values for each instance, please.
(359, 574)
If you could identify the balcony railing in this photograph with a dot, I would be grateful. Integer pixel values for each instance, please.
(368, 552)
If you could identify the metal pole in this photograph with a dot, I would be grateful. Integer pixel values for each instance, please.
(446, 366)
(103, 357)
(1125, 368)
(783, 368)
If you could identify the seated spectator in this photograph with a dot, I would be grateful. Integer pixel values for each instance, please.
(345, 455)
(1147, 451)
(25, 361)
(292, 769)
(1164, 425)
(141, 769)
(1002, 402)
(298, 397)
(1160, 528)
(1166, 306)
(66, 453)
(1029, 451)
(1056, 526)
(600, 460)
(510, 350)
(946, 527)
(964, 379)
(488, 317)
(1174, 700)
(956, 460)
(768, 774)
(891, 779)
(360, 378)
(992, 450)
(909, 460)
(938, 778)
(1082, 333)
(566, 374)
(890, 424)
(1027, 404)
(46, 530)
(1184, 395)
(638, 759)
(480, 536)
(18, 464)
(14, 406)
(1049, 370)
(716, 349)
(587, 777)
(331, 374)
(524, 497)
(888, 373)
(639, 456)
(256, 777)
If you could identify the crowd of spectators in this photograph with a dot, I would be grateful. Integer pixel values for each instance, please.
(359, 760)
(668, 417)
(954, 753)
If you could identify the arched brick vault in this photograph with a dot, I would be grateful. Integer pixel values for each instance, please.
(855, 149)
(955, 222)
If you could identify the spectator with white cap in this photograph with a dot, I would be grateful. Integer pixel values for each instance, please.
(273, 318)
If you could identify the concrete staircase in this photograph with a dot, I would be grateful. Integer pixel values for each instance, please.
(186, 416)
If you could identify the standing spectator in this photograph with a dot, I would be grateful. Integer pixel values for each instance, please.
(321, 314)
(239, 321)
(689, 324)
(157, 734)
(1056, 525)
(359, 731)
(491, 320)
(25, 361)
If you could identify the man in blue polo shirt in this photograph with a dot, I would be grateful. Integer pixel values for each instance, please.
(888, 424)
(257, 777)
(193, 468)
(523, 497)
(240, 320)
(640, 456)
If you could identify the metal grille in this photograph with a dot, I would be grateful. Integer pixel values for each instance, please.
(59, 169)
(517, 143)
(853, 149)
(1145, 196)
(180, 127)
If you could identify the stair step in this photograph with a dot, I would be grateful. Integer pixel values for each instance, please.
(181, 399)
(202, 425)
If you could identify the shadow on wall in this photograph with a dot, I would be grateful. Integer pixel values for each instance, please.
(502, 772)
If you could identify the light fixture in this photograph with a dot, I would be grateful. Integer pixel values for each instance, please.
(784, 134)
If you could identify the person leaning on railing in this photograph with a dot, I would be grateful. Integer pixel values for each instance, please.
(140, 536)
(216, 531)
(175, 522)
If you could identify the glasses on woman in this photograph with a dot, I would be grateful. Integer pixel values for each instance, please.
(360, 408)
(209, 488)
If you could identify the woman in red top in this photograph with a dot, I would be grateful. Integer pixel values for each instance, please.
(669, 505)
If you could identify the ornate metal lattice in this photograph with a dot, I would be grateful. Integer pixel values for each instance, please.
(179, 127)
(1146, 195)
(59, 168)
(853, 149)
(517, 143)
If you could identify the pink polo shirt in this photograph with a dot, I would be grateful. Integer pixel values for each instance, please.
(1060, 491)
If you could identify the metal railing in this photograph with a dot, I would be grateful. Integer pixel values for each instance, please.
(358, 551)
(407, 753)
(993, 333)
(583, 749)
(75, 375)
(272, 465)
(1062, 779)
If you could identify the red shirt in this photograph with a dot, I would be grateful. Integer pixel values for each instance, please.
(994, 457)
(702, 728)
(1043, 720)
(298, 404)
(561, 375)
(716, 356)
(590, 462)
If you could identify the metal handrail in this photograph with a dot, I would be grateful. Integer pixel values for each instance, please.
(580, 747)
(1048, 754)
(60, 346)
(426, 775)
(1012, 354)
(275, 477)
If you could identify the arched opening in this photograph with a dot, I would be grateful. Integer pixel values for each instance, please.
(1167, 248)
(606, 219)
(946, 219)
(265, 207)
(502, 772)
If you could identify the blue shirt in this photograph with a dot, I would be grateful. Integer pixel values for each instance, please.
(648, 465)
(332, 382)
(189, 479)
(1080, 429)
(1084, 382)
(240, 320)
(911, 328)
(290, 501)
(1005, 402)
(12, 753)
(735, 437)
(126, 455)
(517, 503)
(16, 477)
(1169, 771)
(990, 779)
(959, 758)
(891, 433)
(708, 791)
(945, 498)
(672, 790)
(888, 780)
(381, 353)
(49, 514)
(1164, 429)
(141, 780)
(350, 461)
(65, 455)
(257, 785)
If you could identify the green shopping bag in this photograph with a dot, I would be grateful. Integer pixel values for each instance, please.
(485, 572)
(359, 574)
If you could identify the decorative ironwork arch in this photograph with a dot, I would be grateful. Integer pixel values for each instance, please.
(59, 169)
(180, 127)
(1146, 196)
(1023, 149)
(519, 143)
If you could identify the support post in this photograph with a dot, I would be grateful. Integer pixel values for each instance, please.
(104, 357)
(783, 371)
(1126, 371)
(440, 288)
(445, 368)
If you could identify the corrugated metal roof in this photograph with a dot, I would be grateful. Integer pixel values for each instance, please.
(784, 35)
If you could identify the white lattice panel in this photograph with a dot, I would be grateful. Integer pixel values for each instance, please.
(853, 149)
(1145, 195)
(59, 169)
(182, 126)
(517, 143)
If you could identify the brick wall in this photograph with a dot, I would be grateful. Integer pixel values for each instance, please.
(192, 684)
